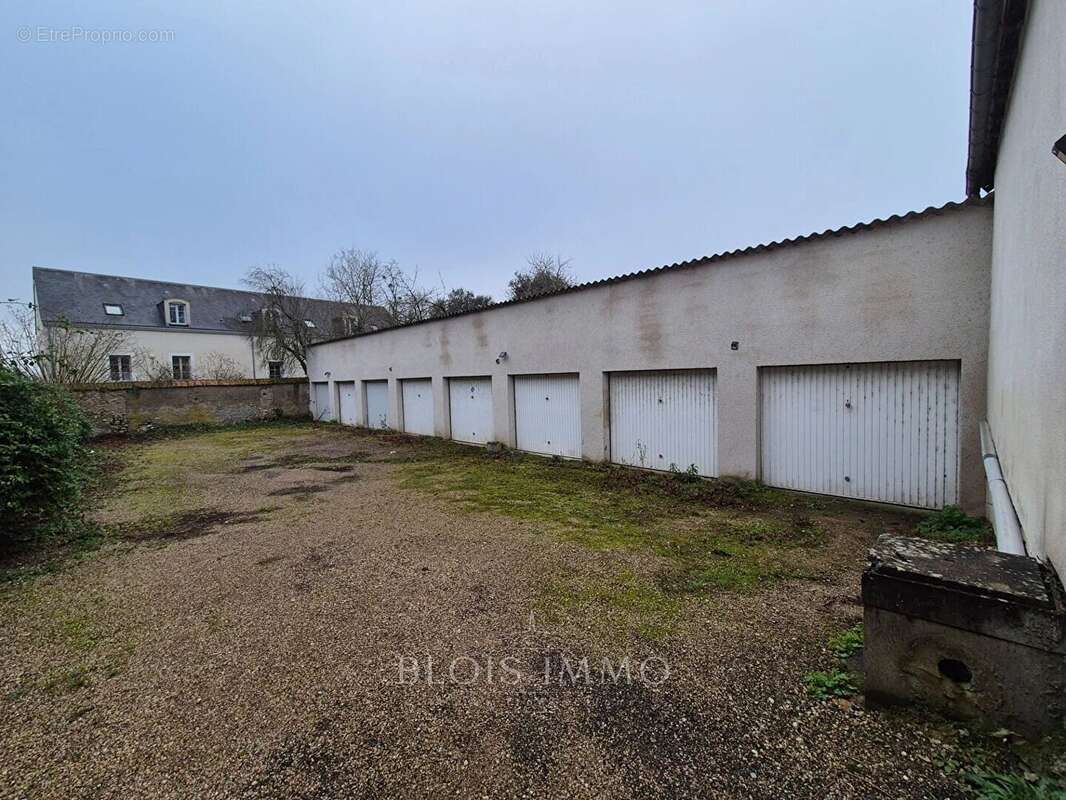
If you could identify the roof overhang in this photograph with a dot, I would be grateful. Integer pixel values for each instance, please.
(997, 34)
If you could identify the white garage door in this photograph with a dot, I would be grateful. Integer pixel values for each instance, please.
(547, 412)
(471, 409)
(320, 393)
(886, 432)
(417, 397)
(349, 403)
(665, 420)
(377, 404)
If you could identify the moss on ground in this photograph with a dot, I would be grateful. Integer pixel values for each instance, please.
(708, 535)
(160, 477)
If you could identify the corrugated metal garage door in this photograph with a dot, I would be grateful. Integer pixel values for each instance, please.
(417, 397)
(471, 409)
(321, 397)
(377, 404)
(349, 404)
(547, 412)
(886, 432)
(659, 419)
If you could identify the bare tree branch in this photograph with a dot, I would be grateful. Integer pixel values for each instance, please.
(60, 352)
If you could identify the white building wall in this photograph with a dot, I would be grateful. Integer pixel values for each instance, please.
(163, 343)
(912, 290)
(1027, 350)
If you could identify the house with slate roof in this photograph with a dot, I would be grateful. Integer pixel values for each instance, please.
(172, 329)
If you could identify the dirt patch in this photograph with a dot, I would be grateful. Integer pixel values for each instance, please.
(302, 489)
(315, 461)
(188, 525)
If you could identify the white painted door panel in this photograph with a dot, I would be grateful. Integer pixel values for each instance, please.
(377, 404)
(349, 403)
(322, 410)
(661, 420)
(470, 400)
(417, 395)
(885, 432)
(547, 411)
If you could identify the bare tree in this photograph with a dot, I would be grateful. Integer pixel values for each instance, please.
(545, 274)
(219, 366)
(285, 326)
(367, 285)
(404, 299)
(457, 301)
(60, 352)
(357, 278)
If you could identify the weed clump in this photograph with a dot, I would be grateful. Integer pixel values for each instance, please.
(954, 526)
(828, 685)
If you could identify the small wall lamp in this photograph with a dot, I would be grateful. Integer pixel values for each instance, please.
(501, 357)
(1059, 149)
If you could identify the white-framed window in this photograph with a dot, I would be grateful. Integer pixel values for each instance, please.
(113, 309)
(177, 312)
(121, 367)
(276, 369)
(181, 367)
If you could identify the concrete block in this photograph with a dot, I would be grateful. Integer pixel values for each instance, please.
(975, 634)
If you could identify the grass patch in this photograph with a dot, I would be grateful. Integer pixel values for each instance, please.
(828, 685)
(709, 535)
(714, 534)
(954, 526)
(622, 597)
(161, 477)
(65, 681)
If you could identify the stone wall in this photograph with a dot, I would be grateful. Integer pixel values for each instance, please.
(141, 405)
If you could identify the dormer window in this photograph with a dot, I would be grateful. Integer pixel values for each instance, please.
(310, 323)
(245, 317)
(113, 310)
(177, 312)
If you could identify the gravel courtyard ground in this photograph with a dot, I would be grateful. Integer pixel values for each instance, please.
(242, 631)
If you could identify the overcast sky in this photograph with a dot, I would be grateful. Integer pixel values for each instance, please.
(458, 137)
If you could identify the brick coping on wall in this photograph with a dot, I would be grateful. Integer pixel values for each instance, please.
(119, 386)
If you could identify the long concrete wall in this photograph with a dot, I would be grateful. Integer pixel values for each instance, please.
(1027, 350)
(908, 290)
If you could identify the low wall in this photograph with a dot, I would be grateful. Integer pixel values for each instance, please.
(135, 406)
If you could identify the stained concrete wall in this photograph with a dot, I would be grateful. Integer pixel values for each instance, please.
(908, 290)
(1027, 340)
(137, 406)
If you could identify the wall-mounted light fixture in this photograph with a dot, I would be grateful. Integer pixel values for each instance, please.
(327, 374)
(501, 357)
(1059, 149)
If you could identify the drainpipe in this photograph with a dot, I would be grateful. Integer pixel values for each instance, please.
(1004, 518)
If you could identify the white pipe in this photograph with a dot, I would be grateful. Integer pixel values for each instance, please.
(1004, 519)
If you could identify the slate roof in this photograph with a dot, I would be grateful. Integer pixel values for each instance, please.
(79, 298)
(931, 211)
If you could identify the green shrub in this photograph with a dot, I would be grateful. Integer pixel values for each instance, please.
(998, 786)
(847, 643)
(953, 525)
(827, 685)
(43, 458)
